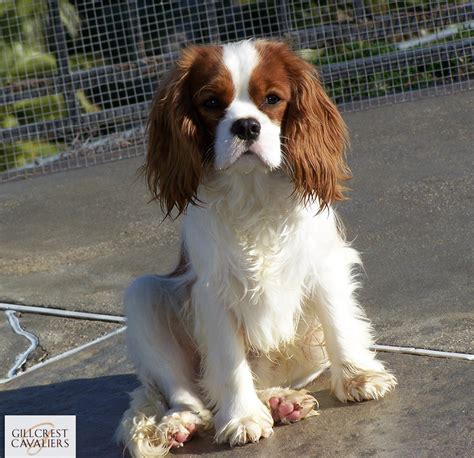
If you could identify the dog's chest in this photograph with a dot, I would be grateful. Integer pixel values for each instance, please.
(263, 278)
(255, 233)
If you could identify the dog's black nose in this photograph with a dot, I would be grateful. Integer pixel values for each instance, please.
(246, 128)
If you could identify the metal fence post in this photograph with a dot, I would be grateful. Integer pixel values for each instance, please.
(284, 17)
(212, 22)
(137, 37)
(360, 10)
(58, 45)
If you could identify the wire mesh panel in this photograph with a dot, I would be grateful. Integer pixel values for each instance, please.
(77, 76)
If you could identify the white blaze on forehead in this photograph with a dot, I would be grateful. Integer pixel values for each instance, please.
(240, 59)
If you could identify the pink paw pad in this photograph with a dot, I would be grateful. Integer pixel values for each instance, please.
(285, 411)
(179, 438)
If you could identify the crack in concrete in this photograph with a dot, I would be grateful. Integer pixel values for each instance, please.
(22, 358)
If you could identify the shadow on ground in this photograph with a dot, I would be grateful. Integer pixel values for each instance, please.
(98, 404)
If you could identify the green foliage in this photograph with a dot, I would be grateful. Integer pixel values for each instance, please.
(86, 106)
(69, 17)
(85, 62)
(398, 79)
(9, 121)
(39, 109)
(24, 56)
(19, 154)
(28, 63)
(350, 51)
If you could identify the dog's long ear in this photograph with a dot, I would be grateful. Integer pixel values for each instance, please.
(315, 137)
(173, 165)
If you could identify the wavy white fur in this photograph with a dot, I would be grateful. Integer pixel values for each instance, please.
(265, 299)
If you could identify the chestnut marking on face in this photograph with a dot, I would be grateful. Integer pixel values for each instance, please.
(210, 89)
(270, 86)
(197, 110)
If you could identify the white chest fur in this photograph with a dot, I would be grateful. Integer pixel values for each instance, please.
(249, 244)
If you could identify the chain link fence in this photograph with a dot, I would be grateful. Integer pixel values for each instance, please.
(77, 76)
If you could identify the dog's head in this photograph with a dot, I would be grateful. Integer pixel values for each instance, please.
(254, 102)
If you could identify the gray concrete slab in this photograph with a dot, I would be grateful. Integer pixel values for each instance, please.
(412, 216)
(74, 240)
(429, 414)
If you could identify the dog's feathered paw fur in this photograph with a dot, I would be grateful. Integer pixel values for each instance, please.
(149, 430)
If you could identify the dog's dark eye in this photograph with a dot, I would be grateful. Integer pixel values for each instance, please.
(272, 99)
(211, 102)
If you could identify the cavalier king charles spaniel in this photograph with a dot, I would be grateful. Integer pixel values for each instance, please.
(245, 143)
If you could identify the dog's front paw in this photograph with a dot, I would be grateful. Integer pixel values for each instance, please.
(153, 437)
(178, 427)
(246, 427)
(351, 383)
(287, 405)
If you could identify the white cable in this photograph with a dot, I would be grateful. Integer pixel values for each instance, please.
(63, 313)
(23, 356)
(423, 352)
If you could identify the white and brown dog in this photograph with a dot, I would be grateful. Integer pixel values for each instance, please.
(244, 141)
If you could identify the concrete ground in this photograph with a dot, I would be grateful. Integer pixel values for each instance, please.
(74, 240)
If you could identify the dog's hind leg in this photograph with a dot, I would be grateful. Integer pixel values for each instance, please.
(167, 409)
